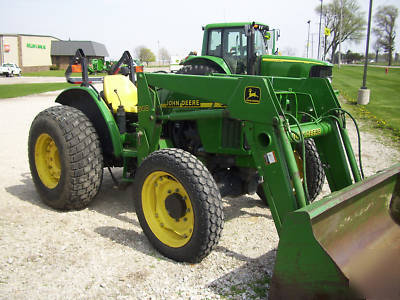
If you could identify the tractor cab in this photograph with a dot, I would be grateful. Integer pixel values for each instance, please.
(250, 48)
(240, 45)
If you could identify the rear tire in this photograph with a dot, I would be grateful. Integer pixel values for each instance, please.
(197, 70)
(65, 158)
(315, 172)
(178, 205)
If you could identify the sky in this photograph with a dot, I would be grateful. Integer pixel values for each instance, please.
(170, 24)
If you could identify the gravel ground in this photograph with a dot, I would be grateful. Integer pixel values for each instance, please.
(101, 252)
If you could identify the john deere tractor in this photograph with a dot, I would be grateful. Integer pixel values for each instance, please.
(250, 48)
(185, 140)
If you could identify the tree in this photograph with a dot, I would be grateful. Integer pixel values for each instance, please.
(164, 56)
(352, 57)
(376, 47)
(385, 28)
(353, 23)
(144, 54)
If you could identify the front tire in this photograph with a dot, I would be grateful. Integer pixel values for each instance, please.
(178, 205)
(314, 171)
(65, 158)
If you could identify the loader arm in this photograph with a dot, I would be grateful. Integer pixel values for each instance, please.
(267, 131)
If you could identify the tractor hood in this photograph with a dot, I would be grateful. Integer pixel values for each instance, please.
(298, 67)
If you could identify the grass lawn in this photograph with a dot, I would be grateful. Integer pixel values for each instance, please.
(384, 106)
(18, 90)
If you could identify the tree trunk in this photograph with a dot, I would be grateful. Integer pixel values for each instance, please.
(334, 47)
(390, 57)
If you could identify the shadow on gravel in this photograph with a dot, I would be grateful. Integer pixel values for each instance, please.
(248, 281)
(26, 191)
(237, 207)
(129, 238)
(112, 201)
(115, 202)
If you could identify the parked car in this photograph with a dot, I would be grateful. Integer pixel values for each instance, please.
(10, 70)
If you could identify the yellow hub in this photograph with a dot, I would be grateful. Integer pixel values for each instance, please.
(47, 161)
(167, 209)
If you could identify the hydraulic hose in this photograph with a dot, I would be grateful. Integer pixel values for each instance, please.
(303, 148)
(358, 134)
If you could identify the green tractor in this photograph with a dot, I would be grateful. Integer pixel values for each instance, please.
(97, 65)
(185, 140)
(249, 48)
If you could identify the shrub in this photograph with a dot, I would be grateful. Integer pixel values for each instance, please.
(54, 67)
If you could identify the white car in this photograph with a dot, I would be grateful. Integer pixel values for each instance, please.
(10, 70)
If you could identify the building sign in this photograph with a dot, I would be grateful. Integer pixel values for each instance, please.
(6, 47)
(30, 45)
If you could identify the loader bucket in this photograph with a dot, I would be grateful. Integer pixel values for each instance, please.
(345, 246)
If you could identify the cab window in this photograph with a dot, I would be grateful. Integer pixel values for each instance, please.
(214, 43)
(234, 43)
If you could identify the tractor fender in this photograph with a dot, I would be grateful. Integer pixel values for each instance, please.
(91, 104)
(212, 61)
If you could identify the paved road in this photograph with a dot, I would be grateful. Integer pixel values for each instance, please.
(369, 65)
(23, 79)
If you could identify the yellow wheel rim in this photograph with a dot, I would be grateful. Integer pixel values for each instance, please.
(167, 209)
(47, 161)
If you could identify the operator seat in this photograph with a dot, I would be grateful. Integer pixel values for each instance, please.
(126, 90)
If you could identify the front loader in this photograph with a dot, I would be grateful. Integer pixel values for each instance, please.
(185, 140)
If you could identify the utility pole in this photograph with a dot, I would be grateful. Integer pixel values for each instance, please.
(340, 34)
(319, 34)
(325, 38)
(312, 45)
(158, 51)
(308, 38)
(363, 92)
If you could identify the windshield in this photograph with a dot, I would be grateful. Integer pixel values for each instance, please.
(234, 43)
(259, 47)
(269, 40)
(7, 65)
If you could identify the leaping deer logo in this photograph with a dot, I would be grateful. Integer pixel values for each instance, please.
(252, 94)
